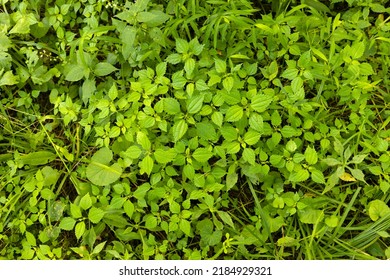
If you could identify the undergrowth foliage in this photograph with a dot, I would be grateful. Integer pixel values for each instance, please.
(194, 129)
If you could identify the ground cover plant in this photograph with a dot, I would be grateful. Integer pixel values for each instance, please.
(191, 129)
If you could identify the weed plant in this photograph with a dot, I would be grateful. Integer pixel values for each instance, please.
(191, 129)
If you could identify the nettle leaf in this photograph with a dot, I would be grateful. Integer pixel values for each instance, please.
(182, 46)
(220, 65)
(75, 74)
(171, 106)
(104, 69)
(195, 104)
(311, 156)
(260, 102)
(179, 129)
(67, 223)
(146, 165)
(251, 137)
(317, 176)
(143, 140)
(217, 118)
(202, 154)
(152, 18)
(249, 156)
(234, 113)
(95, 215)
(165, 156)
(189, 66)
(99, 172)
(256, 122)
(132, 152)
(299, 176)
(357, 50)
(228, 83)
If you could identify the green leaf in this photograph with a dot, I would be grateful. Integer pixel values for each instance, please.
(38, 158)
(133, 152)
(260, 102)
(311, 156)
(357, 50)
(220, 65)
(377, 209)
(234, 113)
(249, 156)
(332, 221)
(23, 23)
(152, 18)
(185, 226)
(179, 129)
(79, 229)
(189, 66)
(358, 174)
(182, 46)
(228, 83)
(225, 217)
(104, 69)
(317, 176)
(256, 122)
(251, 137)
(287, 241)
(150, 221)
(75, 74)
(171, 106)
(9, 79)
(86, 202)
(95, 215)
(195, 104)
(98, 248)
(202, 154)
(31, 239)
(217, 118)
(311, 216)
(143, 140)
(146, 165)
(67, 223)
(99, 172)
(299, 176)
(164, 156)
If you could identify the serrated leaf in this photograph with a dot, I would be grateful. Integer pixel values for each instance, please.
(164, 156)
(299, 176)
(234, 113)
(357, 174)
(217, 118)
(182, 46)
(202, 154)
(317, 176)
(67, 223)
(95, 215)
(9, 79)
(171, 106)
(79, 229)
(249, 156)
(331, 161)
(189, 66)
(86, 202)
(220, 65)
(195, 104)
(256, 122)
(260, 102)
(143, 140)
(179, 129)
(104, 69)
(251, 137)
(150, 221)
(133, 152)
(31, 239)
(311, 156)
(358, 159)
(228, 83)
(146, 165)
(173, 58)
(98, 248)
(185, 226)
(357, 50)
